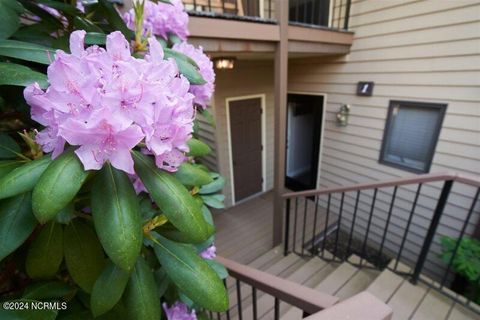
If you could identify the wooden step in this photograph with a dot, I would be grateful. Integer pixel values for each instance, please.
(406, 299)
(265, 260)
(335, 281)
(459, 312)
(385, 285)
(265, 304)
(434, 306)
(358, 283)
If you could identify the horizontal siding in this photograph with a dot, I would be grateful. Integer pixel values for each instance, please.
(416, 51)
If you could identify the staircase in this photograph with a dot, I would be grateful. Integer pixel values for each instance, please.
(342, 280)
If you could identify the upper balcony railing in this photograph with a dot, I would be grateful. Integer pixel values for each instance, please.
(332, 14)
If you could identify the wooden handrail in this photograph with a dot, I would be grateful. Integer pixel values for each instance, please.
(309, 300)
(423, 178)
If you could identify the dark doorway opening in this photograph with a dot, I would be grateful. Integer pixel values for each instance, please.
(246, 144)
(304, 128)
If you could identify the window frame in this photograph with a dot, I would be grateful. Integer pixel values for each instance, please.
(442, 107)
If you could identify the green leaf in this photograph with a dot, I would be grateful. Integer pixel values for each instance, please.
(26, 51)
(9, 16)
(192, 176)
(9, 149)
(208, 115)
(57, 186)
(162, 280)
(18, 75)
(197, 148)
(46, 17)
(173, 199)
(7, 166)
(85, 24)
(83, 254)
(116, 215)
(48, 290)
(36, 33)
(214, 201)
(218, 267)
(111, 14)
(191, 274)
(213, 187)
(46, 252)
(22, 179)
(108, 289)
(28, 314)
(186, 67)
(95, 38)
(67, 9)
(16, 223)
(141, 295)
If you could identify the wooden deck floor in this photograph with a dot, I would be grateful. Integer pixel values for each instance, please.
(245, 231)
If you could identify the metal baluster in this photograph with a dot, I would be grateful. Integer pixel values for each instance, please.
(325, 230)
(295, 226)
(304, 223)
(218, 316)
(437, 214)
(211, 314)
(236, 7)
(223, 6)
(339, 224)
(254, 302)
(277, 309)
(296, 10)
(194, 5)
(209, 6)
(312, 20)
(354, 218)
(314, 225)
(368, 225)
(347, 15)
(304, 12)
(457, 245)
(389, 216)
(414, 205)
(228, 309)
(269, 9)
(239, 300)
(287, 227)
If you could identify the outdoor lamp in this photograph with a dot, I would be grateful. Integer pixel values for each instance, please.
(224, 63)
(342, 115)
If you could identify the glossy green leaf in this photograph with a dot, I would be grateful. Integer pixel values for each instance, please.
(35, 33)
(217, 185)
(141, 295)
(189, 175)
(28, 314)
(191, 274)
(18, 75)
(108, 289)
(26, 51)
(111, 14)
(85, 24)
(83, 254)
(23, 179)
(218, 268)
(209, 116)
(46, 17)
(57, 186)
(48, 290)
(9, 17)
(66, 8)
(16, 223)
(162, 281)
(9, 149)
(116, 215)
(95, 38)
(214, 201)
(46, 252)
(198, 148)
(170, 53)
(66, 214)
(186, 67)
(173, 199)
(7, 166)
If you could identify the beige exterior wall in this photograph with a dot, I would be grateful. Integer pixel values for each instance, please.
(246, 79)
(416, 51)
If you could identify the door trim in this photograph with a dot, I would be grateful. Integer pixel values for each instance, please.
(322, 131)
(229, 140)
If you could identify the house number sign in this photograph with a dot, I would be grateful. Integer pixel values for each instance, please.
(365, 88)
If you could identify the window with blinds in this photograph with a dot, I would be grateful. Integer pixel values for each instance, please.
(411, 134)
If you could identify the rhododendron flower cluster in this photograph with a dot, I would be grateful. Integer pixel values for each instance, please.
(161, 19)
(209, 253)
(179, 311)
(203, 93)
(106, 102)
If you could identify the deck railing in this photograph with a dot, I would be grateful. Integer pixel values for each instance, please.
(397, 224)
(258, 10)
(246, 281)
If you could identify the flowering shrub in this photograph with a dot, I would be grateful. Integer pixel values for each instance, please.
(103, 197)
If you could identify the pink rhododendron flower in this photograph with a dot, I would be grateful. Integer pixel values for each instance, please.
(106, 102)
(209, 253)
(161, 19)
(179, 311)
(203, 93)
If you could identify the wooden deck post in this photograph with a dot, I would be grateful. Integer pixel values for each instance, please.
(281, 83)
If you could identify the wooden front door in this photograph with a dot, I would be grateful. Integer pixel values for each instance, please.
(246, 144)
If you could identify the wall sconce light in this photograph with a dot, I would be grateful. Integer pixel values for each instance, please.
(342, 115)
(224, 63)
